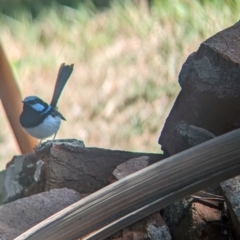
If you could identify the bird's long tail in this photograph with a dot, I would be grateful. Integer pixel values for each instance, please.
(63, 75)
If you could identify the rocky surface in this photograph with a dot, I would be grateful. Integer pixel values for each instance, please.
(130, 166)
(22, 178)
(231, 190)
(86, 170)
(66, 163)
(207, 106)
(150, 228)
(18, 216)
(208, 103)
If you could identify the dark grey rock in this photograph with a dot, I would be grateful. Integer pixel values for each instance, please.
(18, 216)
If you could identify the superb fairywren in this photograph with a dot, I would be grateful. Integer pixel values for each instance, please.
(40, 119)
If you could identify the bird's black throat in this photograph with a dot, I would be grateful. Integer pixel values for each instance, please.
(30, 117)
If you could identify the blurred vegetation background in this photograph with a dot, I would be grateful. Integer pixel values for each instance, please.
(127, 59)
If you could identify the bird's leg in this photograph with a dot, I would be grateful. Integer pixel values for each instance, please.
(38, 144)
(54, 136)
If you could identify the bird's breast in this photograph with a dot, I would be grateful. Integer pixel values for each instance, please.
(46, 128)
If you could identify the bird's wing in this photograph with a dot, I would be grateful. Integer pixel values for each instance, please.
(57, 113)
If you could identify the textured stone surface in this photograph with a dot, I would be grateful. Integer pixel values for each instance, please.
(66, 163)
(207, 105)
(210, 95)
(22, 178)
(80, 168)
(131, 166)
(201, 220)
(231, 190)
(150, 228)
(18, 216)
(2, 193)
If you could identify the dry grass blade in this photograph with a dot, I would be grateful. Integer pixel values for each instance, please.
(144, 192)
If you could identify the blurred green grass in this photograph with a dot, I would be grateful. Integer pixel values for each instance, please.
(126, 64)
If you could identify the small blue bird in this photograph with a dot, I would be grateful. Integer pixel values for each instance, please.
(40, 119)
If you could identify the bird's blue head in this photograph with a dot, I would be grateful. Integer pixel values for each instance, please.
(36, 104)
